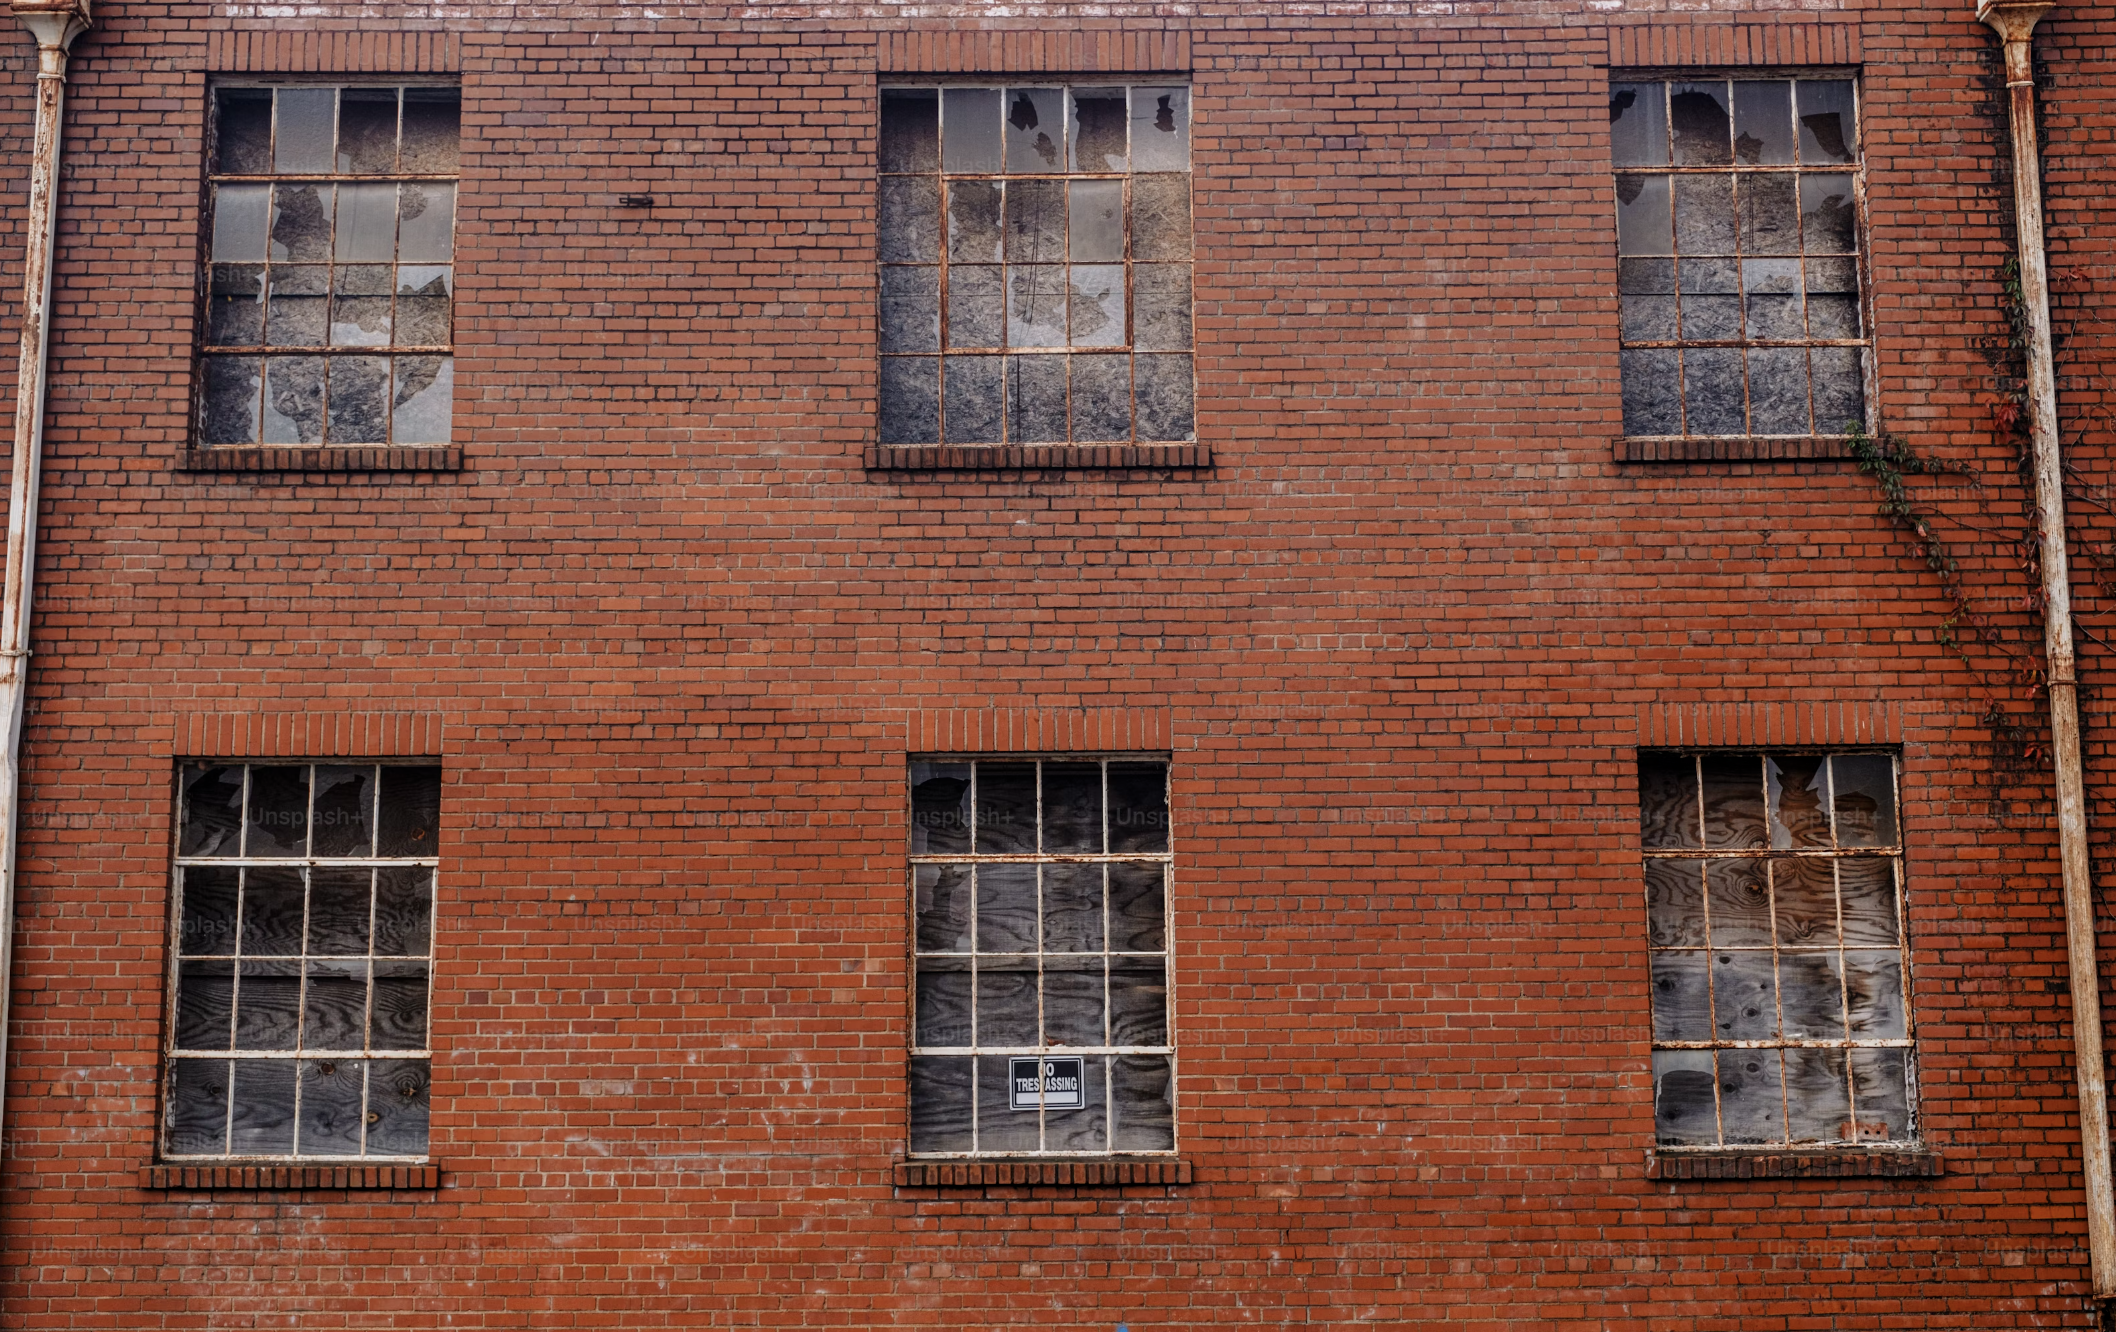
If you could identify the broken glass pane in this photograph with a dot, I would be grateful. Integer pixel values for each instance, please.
(942, 1003)
(1006, 998)
(1704, 214)
(293, 400)
(1095, 221)
(1751, 1096)
(303, 144)
(399, 1102)
(239, 215)
(1840, 389)
(1698, 112)
(1881, 1093)
(268, 1001)
(1777, 386)
(1683, 1111)
(940, 808)
(1138, 907)
(426, 221)
(403, 911)
(296, 306)
(1740, 893)
(1036, 300)
(209, 911)
(1644, 224)
(1035, 222)
(1763, 122)
(1163, 394)
(1806, 892)
(360, 298)
(205, 1005)
(1138, 807)
(1667, 802)
(1006, 910)
(278, 811)
(1651, 403)
(1000, 1128)
(1036, 399)
(1160, 129)
(1865, 799)
(1006, 808)
(940, 1103)
(1733, 800)
(1744, 996)
(1138, 1001)
(341, 823)
(425, 308)
(1675, 904)
(976, 306)
(212, 805)
(1101, 398)
(235, 311)
(909, 394)
(1160, 308)
(909, 138)
(907, 220)
(340, 902)
(1035, 129)
(942, 896)
(243, 131)
(1827, 132)
(433, 121)
(334, 1005)
(1816, 1103)
(1828, 218)
(1638, 124)
(301, 223)
(1810, 996)
(1769, 212)
(197, 1116)
(359, 400)
(367, 223)
(1073, 1001)
(1682, 996)
(1096, 303)
(367, 131)
(263, 1108)
(1873, 992)
(969, 129)
(1867, 888)
(423, 399)
(974, 208)
(1085, 1129)
(1142, 1093)
(332, 1107)
(1072, 808)
(1160, 219)
(1098, 129)
(1712, 391)
(1795, 790)
(910, 310)
(399, 1018)
(228, 410)
(1711, 301)
(974, 401)
(1072, 908)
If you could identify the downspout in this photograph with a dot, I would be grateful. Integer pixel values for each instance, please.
(2014, 21)
(55, 24)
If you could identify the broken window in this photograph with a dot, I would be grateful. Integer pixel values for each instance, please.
(302, 962)
(1040, 1021)
(330, 301)
(1034, 248)
(1774, 902)
(1737, 223)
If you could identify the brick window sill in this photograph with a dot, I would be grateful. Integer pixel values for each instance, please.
(1033, 457)
(982, 1174)
(338, 459)
(1844, 1163)
(266, 1178)
(1732, 448)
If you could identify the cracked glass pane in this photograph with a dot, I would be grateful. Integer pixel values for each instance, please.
(297, 304)
(1035, 129)
(1036, 305)
(1763, 122)
(942, 896)
(1142, 1092)
(360, 305)
(334, 1005)
(1796, 790)
(1827, 129)
(425, 305)
(426, 220)
(1036, 410)
(301, 223)
(1644, 223)
(1638, 124)
(940, 808)
(1865, 797)
(293, 400)
(1095, 294)
(1828, 216)
(422, 398)
(228, 412)
(1160, 129)
(1698, 114)
(1772, 287)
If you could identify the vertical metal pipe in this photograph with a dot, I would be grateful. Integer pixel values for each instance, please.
(55, 24)
(2015, 24)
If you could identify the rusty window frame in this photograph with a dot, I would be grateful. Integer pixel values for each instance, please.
(1672, 1053)
(1863, 345)
(1109, 1050)
(211, 353)
(1004, 353)
(181, 955)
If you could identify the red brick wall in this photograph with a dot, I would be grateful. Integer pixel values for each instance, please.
(673, 643)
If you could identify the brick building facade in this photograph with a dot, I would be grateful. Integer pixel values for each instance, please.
(1407, 603)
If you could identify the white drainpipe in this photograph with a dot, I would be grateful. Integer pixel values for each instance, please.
(55, 24)
(2015, 21)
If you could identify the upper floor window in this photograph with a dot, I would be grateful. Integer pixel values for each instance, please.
(1035, 257)
(1738, 236)
(330, 300)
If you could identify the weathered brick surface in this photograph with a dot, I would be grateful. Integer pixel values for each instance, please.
(673, 640)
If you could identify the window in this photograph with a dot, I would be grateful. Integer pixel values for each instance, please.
(1035, 265)
(1040, 913)
(302, 960)
(330, 303)
(1775, 916)
(1737, 221)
